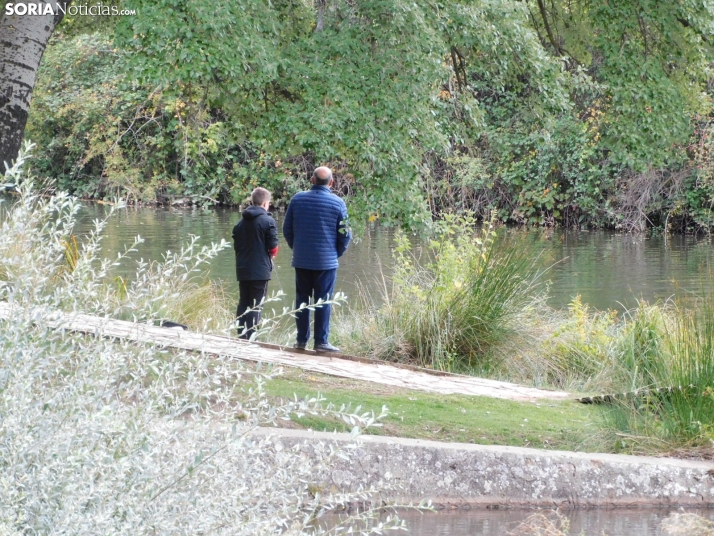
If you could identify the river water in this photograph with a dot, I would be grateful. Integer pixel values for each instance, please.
(592, 522)
(609, 270)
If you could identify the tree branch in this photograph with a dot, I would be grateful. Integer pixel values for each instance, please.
(551, 37)
(687, 24)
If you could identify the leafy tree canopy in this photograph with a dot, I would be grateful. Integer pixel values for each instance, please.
(368, 86)
(540, 108)
(652, 59)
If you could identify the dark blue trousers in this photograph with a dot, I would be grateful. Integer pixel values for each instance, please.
(310, 286)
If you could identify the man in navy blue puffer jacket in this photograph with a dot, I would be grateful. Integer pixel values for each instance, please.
(316, 230)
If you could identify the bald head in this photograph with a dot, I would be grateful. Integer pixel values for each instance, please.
(322, 176)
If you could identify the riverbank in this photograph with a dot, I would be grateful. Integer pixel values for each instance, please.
(446, 472)
(422, 403)
(581, 350)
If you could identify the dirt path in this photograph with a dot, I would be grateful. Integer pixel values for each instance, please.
(334, 364)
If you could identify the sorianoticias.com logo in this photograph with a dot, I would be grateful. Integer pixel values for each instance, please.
(56, 8)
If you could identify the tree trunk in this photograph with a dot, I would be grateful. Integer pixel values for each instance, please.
(320, 15)
(23, 39)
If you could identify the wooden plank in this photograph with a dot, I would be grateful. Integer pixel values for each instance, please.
(357, 369)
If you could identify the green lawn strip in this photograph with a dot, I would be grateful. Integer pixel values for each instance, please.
(565, 425)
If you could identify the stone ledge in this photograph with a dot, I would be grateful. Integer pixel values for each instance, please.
(487, 476)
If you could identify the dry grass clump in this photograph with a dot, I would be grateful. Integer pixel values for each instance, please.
(202, 304)
(687, 525)
(552, 524)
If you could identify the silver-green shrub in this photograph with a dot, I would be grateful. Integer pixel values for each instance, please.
(103, 436)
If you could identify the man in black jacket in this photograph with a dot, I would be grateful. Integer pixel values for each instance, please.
(255, 240)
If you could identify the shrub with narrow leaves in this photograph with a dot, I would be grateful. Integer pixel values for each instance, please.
(103, 436)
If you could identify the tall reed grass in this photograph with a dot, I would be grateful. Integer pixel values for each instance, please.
(451, 310)
(566, 349)
(670, 352)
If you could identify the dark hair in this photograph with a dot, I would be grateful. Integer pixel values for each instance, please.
(322, 181)
(259, 196)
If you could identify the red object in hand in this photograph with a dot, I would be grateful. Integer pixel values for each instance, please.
(273, 252)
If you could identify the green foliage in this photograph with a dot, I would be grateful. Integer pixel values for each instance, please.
(550, 172)
(652, 61)
(576, 146)
(678, 358)
(355, 93)
(641, 348)
(371, 87)
(85, 23)
(544, 110)
(103, 137)
(699, 192)
(578, 348)
(559, 146)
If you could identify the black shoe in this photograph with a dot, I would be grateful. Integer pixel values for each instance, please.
(173, 325)
(300, 345)
(326, 347)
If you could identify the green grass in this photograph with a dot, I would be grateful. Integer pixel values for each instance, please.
(559, 425)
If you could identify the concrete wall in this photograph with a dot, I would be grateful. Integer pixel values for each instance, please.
(455, 474)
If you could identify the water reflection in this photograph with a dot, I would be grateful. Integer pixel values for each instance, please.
(613, 270)
(594, 522)
(608, 270)
(362, 269)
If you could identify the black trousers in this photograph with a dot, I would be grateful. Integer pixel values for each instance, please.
(249, 306)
